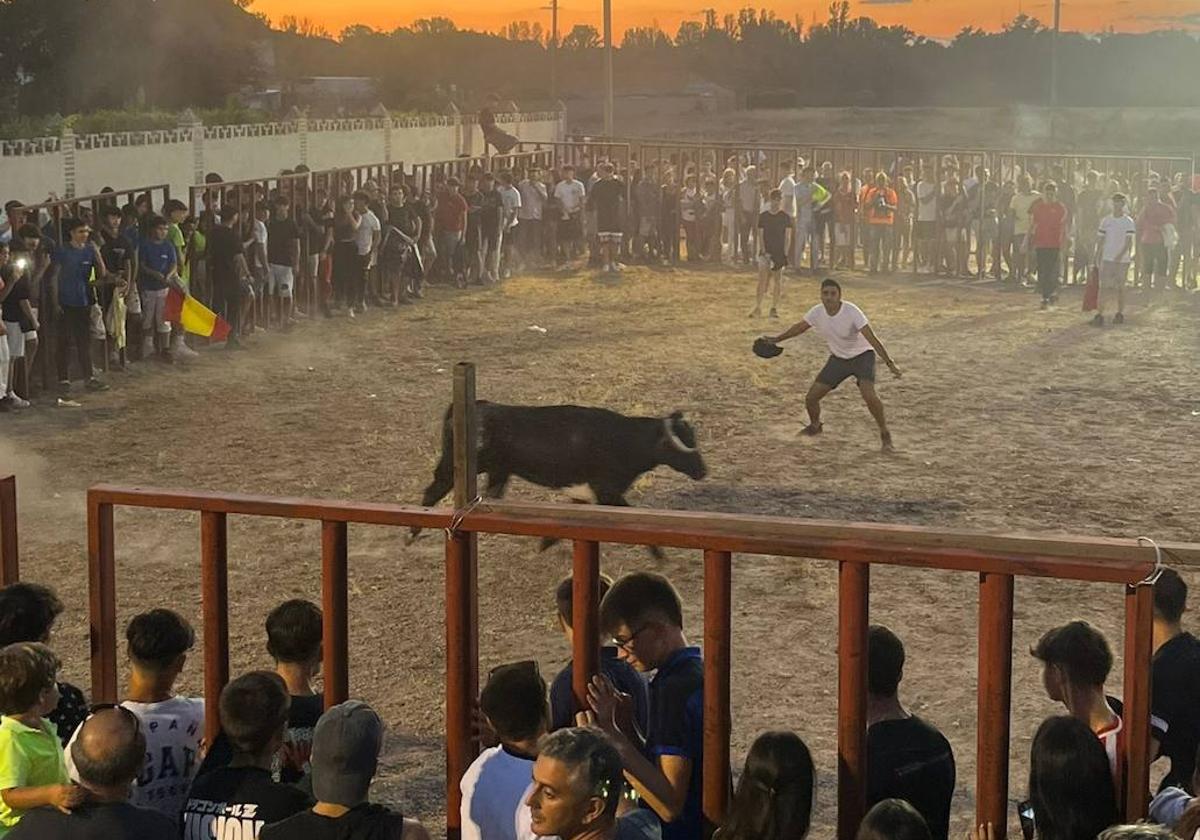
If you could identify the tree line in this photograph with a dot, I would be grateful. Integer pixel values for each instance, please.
(64, 56)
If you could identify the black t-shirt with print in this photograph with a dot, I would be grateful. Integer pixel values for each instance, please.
(282, 234)
(774, 227)
(1175, 696)
(909, 759)
(606, 197)
(246, 796)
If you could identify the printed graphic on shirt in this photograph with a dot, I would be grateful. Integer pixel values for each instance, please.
(205, 820)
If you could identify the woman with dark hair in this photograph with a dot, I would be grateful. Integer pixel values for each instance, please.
(893, 819)
(346, 263)
(775, 794)
(1070, 784)
(27, 614)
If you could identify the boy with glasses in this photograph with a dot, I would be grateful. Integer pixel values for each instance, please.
(643, 613)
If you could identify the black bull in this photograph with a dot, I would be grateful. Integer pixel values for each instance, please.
(569, 446)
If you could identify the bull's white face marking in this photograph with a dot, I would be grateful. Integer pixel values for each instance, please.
(581, 493)
(674, 438)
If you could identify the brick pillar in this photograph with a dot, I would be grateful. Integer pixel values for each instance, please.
(67, 149)
(302, 133)
(561, 131)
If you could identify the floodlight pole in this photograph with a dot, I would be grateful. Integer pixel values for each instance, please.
(608, 69)
(1054, 54)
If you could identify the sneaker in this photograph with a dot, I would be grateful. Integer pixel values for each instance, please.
(182, 351)
(13, 401)
(95, 384)
(1098, 321)
(350, 312)
(618, 267)
(1119, 318)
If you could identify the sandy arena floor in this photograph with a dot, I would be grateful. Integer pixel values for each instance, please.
(1007, 420)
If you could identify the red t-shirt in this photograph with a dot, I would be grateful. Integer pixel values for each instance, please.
(1152, 220)
(451, 213)
(1049, 219)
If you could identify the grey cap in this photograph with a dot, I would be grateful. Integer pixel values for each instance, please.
(345, 753)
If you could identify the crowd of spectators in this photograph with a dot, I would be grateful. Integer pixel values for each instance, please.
(628, 766)
(265, 254)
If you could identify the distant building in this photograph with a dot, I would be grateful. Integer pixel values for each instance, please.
(334, 94)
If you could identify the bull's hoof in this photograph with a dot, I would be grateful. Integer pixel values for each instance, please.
(413, 533)
(656, 552)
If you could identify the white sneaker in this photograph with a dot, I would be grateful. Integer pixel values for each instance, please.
(16, 402)
(182, 351)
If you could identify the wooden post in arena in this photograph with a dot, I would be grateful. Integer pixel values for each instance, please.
(718, 620)
(462, 602)
(335, 657)
(214, 598)
(853, 611)
(102, 601)
(994, 701)
(1139, 620)
(585, 619)
(10, 571)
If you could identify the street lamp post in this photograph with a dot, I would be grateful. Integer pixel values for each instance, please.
(1054, 55)
(608, 69)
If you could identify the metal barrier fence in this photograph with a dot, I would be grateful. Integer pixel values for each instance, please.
(854, 546)
(979, 233)
(89, 209)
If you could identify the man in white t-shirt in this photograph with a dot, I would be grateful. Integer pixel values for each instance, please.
(925, 233)
(494, 788)
(1114, 253)
(853, 346)
(570, 194)
(367, 237)
(158, 642)
(787, 188)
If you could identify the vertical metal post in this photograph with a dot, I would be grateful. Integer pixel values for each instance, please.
(1139, 616)
(335, 629)
(718, 620)
(214, 600)
(994, 701)
(1054, 57)
(585, 619)
(853, 611)
(608, 70)
(10, 570)
(102, 602)
(462, 603)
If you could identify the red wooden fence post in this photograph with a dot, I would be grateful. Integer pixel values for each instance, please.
(718, 632)
(335, 612)
(1139, 618)
(585, 618)
(854, 582)
(10, 569)
(462, 628)
(214, 598)
(102, 601)
(994, 701)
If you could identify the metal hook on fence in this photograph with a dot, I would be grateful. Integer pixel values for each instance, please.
(461, 514)
(1153, 577)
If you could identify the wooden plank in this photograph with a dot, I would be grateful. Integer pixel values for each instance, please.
(10, 567)
(1093, 558)
(214, 599)
(335, 631)
(854, 580)
(585, 619)
(994, 702)
(718, 634)
(1139, 619)
(102, 601)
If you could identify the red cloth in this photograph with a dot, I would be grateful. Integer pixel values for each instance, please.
(1091, 292)
(1049, 219)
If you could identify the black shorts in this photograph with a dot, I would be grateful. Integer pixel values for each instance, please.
(777, 261)
(837, 369)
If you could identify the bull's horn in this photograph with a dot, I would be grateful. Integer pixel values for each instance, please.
(674, 438)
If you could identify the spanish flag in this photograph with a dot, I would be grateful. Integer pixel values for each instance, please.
(194, 316)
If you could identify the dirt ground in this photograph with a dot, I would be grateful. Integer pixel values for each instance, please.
(1007, 419)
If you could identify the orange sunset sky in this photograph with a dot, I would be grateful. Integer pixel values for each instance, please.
(937, 18)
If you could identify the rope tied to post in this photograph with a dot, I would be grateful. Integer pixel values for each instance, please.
(461, 514)
(1156, 573)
